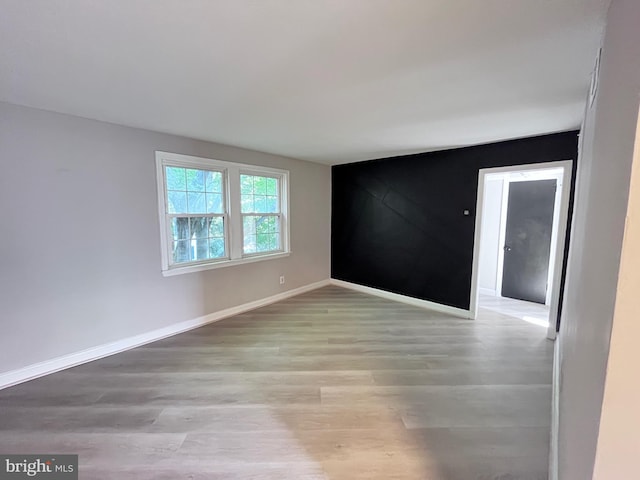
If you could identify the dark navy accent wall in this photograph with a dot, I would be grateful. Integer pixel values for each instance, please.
(398, 223)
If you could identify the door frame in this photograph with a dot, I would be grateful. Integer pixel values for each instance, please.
(557, 247)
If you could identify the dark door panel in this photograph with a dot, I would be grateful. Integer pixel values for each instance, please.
(528, 240)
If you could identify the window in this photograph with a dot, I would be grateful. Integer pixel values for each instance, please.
(214, 214)
(260, 207)
(195, 213)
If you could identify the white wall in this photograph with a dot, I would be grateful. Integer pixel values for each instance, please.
(490, 234)
(618, 452)
(80, 252)
(603, 175)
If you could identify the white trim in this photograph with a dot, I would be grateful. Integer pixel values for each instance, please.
(502, 235)
(557, 209)
(567, 166)
(164, 240)
(475, 269)
(490, 242)
(40, 369)
(190, 160)
(234, 209)
(487, 291)
(416, 302)
(559, 254)
(555, 414)
(199, 267)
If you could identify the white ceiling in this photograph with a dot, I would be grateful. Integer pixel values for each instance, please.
(330, 81)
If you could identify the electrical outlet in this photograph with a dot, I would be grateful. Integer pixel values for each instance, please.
(282, 280)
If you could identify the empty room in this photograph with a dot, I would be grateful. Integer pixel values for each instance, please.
(319, 240)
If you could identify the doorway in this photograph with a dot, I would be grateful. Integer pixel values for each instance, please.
(519, 240)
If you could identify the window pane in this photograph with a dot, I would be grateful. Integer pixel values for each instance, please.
(261, 233)
(175, 178)
(200, 227)
(274, 241)
(246, 184)
(197, 238)
(259, 194)
(180, 228)
(249, 244)
(216, 247)
(195, 180)
(266, 242)
(246, 203)
(200, 248)
(214, 203)
(260, 185)
(181, 251)
(177, 202)
(216, 228)
(262, 224)
(196, 202)
(249, 225)
(260, 204)
(272, 186)
(267, 224)
(249, 234)
(271, 205)
(213, 182)
(262, 243)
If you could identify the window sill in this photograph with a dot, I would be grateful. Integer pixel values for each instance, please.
(224, 263)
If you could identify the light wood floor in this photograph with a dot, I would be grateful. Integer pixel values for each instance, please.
(528, 311)
(328, 385)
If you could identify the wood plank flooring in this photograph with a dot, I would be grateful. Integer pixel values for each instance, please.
(329, 385)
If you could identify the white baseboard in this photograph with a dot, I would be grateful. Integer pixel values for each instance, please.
(40, 369)
(416, 302)
(487, 291)
(555, 414)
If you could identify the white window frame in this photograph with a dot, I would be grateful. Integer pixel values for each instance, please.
(232, 215)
